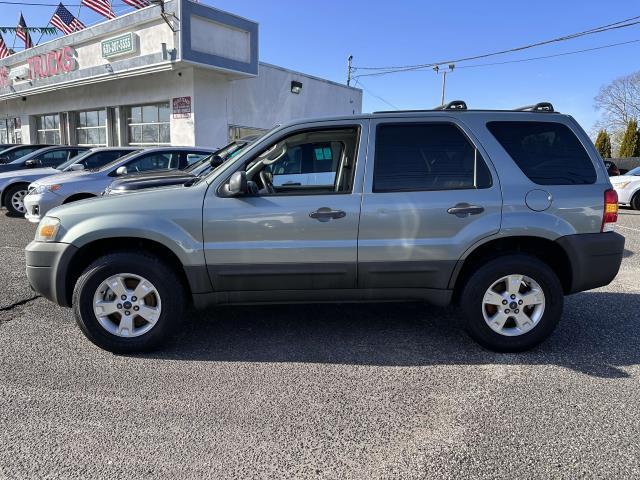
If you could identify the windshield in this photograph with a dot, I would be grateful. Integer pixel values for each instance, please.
(116, 161)
(73, 160)
(15, 155)
(225, 153)
(634, 172)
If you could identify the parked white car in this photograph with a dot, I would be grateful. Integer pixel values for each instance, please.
(628, 188)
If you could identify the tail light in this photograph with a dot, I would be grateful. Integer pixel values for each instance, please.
(610, 216)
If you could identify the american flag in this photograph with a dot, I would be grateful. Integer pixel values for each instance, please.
(64, 21)
(4, 51)
(137, 3)
(103, 7)
(23, 33)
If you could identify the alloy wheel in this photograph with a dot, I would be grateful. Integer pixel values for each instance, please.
(513, 305)
(17, 201)
(127, 305)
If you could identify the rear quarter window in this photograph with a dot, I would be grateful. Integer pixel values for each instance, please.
(548, 153)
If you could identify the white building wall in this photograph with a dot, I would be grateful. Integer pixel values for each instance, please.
(266, 100)
(150, 88)
(210, 108)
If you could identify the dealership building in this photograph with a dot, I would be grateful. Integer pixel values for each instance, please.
(185, 74)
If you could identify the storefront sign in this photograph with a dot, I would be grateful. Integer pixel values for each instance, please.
(182, 107)
(119, 46)
(55, 62)
(4, 77)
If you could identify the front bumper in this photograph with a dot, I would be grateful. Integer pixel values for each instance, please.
(595, 258)
(37, 205)
(47, 269)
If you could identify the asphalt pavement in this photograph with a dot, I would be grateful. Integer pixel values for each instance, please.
(321, 391)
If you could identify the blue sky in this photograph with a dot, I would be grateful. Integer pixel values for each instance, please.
(316, 37)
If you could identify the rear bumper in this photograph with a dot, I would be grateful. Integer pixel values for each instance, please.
(595, 258)
(47, 268)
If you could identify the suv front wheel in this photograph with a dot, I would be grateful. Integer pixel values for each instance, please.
(128, 302)
(512, 303)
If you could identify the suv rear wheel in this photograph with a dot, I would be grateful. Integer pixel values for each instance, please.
(128, 302)
(512, 303)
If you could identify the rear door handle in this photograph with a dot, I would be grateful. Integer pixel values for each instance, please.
(325, 214)
(463, 210)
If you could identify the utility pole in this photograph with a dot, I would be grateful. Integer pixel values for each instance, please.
(349, 70)
(444, 79)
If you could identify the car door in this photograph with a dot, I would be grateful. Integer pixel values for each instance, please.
(430, 193)
(301, 237)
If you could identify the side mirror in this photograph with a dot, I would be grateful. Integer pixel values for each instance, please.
(76, 167)
(4, 159)
(31, 163)
(121, 171)
(216, 161)
(237, 185)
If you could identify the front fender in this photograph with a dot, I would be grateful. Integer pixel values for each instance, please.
(182, 237)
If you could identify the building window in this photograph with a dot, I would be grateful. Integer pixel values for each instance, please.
(149, 124)
(236, 132)
(92, 128)
(48, 129)
(10, 130)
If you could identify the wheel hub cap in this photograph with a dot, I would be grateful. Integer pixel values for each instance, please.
(513, 305)
(17, 200)
(127, 305)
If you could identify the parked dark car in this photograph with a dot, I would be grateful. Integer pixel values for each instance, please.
(12, 153)
(612, 168)
(4, 146)
(139, 181)
(43, 157)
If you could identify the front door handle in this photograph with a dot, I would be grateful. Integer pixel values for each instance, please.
(463, 210)
(325, 214)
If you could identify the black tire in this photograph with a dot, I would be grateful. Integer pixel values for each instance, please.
(635, 201)
(166, 281)
(472, 295)
(10, 192)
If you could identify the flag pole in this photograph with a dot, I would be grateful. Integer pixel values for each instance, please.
(42, 33)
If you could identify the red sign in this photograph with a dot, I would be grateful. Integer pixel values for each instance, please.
(4, 77)
(55, 62)
(182, 107)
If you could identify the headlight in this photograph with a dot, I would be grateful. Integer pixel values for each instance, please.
(47, 229)
(40, 189)
(622, 185)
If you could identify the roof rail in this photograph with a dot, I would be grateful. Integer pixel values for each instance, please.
(453, 105)
(538, 107)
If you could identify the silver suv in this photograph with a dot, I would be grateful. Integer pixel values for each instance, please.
(501, 212)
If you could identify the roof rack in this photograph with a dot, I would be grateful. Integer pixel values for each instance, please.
(453, 105)
(538, 107)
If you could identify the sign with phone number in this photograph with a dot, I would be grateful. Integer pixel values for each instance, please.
(118, 46)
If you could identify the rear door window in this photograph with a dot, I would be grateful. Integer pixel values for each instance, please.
(548, 153)
(425, 157)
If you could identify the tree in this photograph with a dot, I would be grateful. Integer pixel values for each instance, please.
(630, 145)
(619, 102)
(603, 144)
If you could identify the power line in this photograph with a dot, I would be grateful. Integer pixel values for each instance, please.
(604, 28)
(543, 57)
(358, 82)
